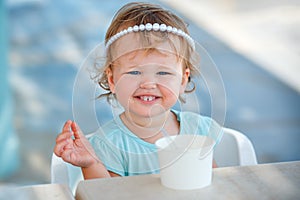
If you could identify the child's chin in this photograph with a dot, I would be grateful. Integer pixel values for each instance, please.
(148, 113)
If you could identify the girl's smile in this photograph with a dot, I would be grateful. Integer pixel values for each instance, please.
(147, 99)
(144, 78)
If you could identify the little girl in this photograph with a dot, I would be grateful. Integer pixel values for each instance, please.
(149, 65)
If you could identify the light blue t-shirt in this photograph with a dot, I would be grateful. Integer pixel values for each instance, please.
(125, 154)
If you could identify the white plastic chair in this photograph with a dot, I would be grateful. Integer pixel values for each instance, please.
(234, 149)
(65, 173)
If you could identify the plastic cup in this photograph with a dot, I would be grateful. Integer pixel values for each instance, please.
(185, 161)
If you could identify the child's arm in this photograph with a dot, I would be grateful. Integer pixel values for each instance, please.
(96, 170)
(79, 152)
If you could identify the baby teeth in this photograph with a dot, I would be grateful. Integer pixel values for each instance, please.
(147, 98)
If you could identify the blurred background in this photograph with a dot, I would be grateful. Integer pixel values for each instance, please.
(255, 45)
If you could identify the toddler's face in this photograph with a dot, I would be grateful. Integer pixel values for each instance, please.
(148, 82)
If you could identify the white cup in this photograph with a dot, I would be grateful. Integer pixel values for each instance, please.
(185, 161)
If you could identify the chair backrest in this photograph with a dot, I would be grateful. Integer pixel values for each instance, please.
(234, 149)
(65, 173)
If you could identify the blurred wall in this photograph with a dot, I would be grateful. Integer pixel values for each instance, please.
(9, 155)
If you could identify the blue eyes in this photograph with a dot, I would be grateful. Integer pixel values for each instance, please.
(138, 73)
(134, 72)
(163, 73)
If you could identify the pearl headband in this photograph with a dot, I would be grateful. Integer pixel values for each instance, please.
(150, 27)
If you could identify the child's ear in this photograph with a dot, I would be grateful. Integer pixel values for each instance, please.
(185, 79)
(110, 80)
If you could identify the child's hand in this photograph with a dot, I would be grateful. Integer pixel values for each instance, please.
(75, 150)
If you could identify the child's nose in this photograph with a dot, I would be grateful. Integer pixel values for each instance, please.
(148, 85)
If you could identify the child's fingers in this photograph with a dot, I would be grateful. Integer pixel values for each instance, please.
(63, 139)
(66, 132)
(66, 126)
(64, 136)
(62, 145)
(76, 130)
(59, 148)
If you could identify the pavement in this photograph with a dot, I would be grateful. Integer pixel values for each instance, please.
(49, 40)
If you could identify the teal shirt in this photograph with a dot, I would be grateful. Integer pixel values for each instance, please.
(125, 154)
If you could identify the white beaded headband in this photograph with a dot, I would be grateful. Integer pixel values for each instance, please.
(150, 27)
